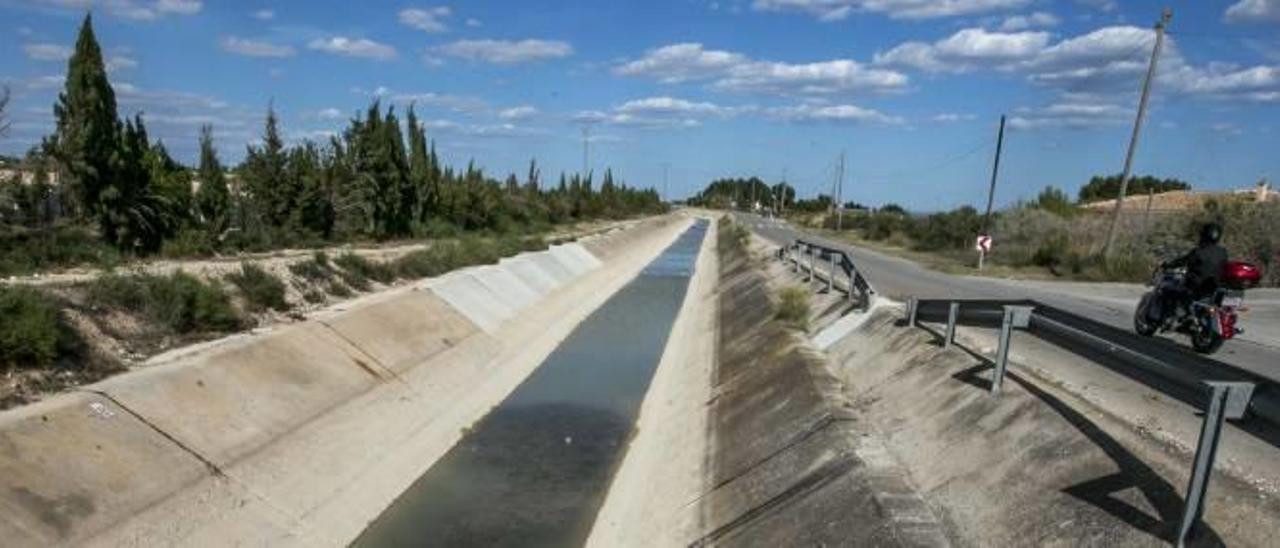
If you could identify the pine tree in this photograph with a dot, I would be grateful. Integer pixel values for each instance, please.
(213, 200)
(88, 129)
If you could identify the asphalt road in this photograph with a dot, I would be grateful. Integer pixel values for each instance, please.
(1258, 350)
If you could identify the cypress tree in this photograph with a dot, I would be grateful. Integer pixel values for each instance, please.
(88, 129)
(420, 169)
(213, 200)
(267, 190)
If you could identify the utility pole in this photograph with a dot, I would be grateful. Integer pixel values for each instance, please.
(586, 149)
(666, 167)
(991, 191)
(840, 193)
(782, 192)
(1137, 130)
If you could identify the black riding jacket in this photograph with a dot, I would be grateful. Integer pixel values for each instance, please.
(1204, 266)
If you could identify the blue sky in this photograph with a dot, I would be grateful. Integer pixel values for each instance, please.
(910, 90)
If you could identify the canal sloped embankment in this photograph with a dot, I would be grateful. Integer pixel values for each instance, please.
(781, 459)
(302, 434)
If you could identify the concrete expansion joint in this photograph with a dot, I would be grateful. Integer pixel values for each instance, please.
(809, 483)
(294, 524)
(214, 469)
(386, 371)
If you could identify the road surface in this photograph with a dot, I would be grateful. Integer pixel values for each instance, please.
(1258, 350)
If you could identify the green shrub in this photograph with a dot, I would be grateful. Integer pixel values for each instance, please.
(261, 290)
(793, 306)
(23, 251)
(338, 289)
(315, 270)
(369, 270)
(1053, 251)
(732, 236)
(30, 328)
(178, 302)
(314, 296)
(423, 263)
(189, 243)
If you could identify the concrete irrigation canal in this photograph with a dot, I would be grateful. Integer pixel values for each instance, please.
(669, 383)
(534, 471)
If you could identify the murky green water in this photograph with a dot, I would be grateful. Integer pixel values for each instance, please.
(534, 471)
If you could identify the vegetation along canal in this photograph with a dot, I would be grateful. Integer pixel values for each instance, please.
(534, 471)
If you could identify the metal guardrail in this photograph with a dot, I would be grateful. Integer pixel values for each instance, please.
(835, 259)
(1222, 391)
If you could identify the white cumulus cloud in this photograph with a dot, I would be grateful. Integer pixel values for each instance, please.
(428, 20)
(732, 71)
(256, 48)
(506, 52)
(849, 114)
(835, 10)
(354, 47)
(966, 50)
(47, 52)
(1033, 20)
(1254, 11)
(138, 10)
(518, 113)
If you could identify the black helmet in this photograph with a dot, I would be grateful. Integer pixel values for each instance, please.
(1210, 233)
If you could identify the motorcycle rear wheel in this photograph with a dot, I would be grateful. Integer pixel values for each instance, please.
(1205, 341)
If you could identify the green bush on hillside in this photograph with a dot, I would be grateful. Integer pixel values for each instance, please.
(261, 290)
(365, 268)
(178, 302)
(30, 328)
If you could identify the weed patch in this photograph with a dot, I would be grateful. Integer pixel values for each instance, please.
(31, 331)
(178, 302)
(793, 307)
(261, 290)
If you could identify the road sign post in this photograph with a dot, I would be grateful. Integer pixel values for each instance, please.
(983, 245)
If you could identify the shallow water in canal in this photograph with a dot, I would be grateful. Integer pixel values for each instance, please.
(534, 471)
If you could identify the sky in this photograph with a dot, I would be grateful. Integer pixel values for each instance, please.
(675, 93)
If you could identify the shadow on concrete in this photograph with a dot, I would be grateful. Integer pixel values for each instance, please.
(1101, 492)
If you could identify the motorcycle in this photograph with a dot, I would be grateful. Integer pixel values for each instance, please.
(1211, 320)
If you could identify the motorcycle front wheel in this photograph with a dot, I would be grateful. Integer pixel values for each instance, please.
(1141, 324)
(1206, 341)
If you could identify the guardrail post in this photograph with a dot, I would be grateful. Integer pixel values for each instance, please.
(912, 304)
(1014, 316)
(952, 313)
(812, 258)
(853, 275)
(1229, 400)
(831, 275)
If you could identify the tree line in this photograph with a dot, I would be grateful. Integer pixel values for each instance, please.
(379, 179)
(1108, 188)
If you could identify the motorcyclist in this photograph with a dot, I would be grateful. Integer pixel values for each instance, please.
(1204, 266)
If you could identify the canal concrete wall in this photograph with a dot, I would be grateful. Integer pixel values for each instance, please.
(788, 462)
(302, 434)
